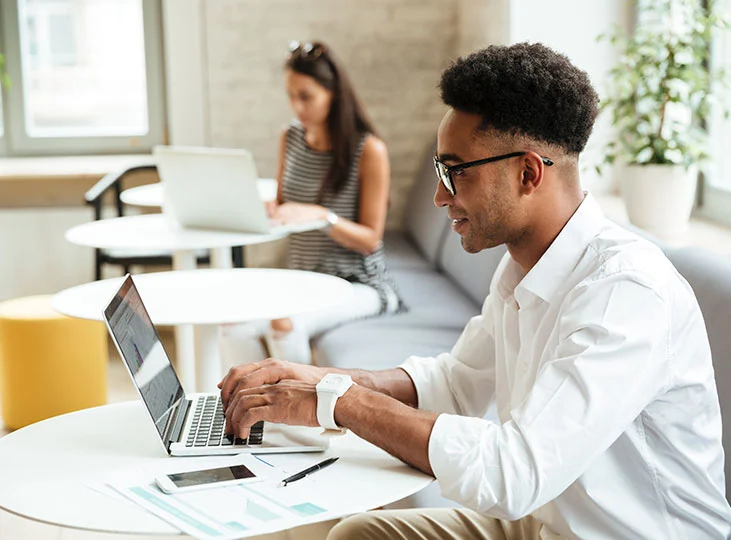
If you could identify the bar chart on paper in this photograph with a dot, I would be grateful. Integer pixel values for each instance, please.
(228, 511)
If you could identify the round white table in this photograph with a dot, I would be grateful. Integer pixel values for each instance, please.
(157, 232)
(45, 469)
(208, 298)
(151, 195)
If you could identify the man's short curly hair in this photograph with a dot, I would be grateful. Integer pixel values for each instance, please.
(526, 90)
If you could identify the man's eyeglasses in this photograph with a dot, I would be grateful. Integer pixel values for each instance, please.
(444, 172)
(305, 51)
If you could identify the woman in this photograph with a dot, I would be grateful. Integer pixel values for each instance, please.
(331, 167)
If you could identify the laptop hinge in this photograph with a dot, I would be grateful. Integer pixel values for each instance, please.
(175, 428)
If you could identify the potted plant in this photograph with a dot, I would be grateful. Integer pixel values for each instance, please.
(661, 93)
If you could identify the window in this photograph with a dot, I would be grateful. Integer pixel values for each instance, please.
(86, 76)
(715, 197)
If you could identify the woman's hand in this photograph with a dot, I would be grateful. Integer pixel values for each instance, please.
(271, 208)
(292, 212)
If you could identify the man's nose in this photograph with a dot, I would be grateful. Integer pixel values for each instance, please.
(441, 195)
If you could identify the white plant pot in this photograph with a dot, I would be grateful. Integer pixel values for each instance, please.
(659, 198)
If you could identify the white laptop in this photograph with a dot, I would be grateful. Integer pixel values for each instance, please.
(216, 188)
(192, 424)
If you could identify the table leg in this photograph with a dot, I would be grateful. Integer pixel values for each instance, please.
(208, 355)
(221, 258)
(184, 334)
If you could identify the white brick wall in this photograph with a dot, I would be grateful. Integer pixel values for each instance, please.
(394, 51)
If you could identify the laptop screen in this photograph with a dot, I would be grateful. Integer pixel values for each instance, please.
(140, 347)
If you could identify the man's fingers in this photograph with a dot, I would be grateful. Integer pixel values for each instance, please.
(245, 411)
(231, 380)
(270, 372)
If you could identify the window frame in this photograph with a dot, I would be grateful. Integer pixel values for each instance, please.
(3, 96)
(16, 141)
(714, 202)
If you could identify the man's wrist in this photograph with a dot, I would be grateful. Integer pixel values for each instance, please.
(345, 404)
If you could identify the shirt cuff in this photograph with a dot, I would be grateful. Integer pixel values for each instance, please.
(429, 390)
(455, 458)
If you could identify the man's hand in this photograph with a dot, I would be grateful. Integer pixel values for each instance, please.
(287, 402)
(268, 372)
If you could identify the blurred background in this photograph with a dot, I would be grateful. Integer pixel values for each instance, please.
(92, 85)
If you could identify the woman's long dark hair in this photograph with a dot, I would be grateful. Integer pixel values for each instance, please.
(347, 120)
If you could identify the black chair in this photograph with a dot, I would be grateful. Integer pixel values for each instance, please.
(113, 183)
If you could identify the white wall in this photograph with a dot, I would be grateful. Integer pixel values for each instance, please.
(34, 256)
(185, 71)
(571, 27)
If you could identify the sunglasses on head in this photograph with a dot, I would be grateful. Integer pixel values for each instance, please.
(305, 51)
(444, 172)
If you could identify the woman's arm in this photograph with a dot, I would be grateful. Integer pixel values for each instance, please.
(365, 235)
(280, 164)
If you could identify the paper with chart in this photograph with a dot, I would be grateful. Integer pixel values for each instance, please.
(230, 512)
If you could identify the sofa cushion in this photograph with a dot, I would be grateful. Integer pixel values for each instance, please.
(425, 223)
(471, 272)
(402, 254)
(378, 344)
(710, 277)
(432, 300)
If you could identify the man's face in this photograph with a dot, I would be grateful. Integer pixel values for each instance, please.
(485, 209)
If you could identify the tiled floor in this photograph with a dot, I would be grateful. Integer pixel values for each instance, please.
(13, 527)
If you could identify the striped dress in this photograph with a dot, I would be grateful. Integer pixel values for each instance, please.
(304, 170)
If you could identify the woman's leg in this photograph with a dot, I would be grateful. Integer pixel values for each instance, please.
(242, 344)
(289, 339)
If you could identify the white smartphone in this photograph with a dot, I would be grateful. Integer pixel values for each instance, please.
(206, 478)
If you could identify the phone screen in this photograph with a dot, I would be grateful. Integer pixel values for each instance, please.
(211, 476)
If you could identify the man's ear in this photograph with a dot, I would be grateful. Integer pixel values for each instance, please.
(531, 172)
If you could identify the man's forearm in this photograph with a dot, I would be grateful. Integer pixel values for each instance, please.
(395, 383)
(392, 425)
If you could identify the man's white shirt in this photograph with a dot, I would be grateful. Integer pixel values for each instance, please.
(599, 364)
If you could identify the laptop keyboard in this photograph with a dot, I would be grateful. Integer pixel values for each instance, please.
(208, 425)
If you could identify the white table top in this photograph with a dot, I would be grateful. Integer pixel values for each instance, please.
(151, 195)
(157, 232)
(213, 296)
(45, 469)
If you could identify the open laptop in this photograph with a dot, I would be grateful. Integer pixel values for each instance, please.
(216, 188)
(192, 424)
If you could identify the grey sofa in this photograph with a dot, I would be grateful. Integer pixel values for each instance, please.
(443, 287)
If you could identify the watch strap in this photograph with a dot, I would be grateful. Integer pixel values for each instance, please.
(326, 410)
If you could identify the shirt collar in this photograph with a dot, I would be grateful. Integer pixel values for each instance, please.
(552, 269)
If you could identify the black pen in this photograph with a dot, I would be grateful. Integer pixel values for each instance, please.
(300, 475)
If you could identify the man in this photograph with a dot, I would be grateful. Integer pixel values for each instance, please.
(590, 342)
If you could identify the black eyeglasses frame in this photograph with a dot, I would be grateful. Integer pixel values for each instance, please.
(444, 172)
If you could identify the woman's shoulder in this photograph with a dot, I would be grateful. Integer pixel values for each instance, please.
(292, 134)
(294, 127)
(373, 147)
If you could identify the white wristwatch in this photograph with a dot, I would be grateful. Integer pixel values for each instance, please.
(329, 389)
(332, 218)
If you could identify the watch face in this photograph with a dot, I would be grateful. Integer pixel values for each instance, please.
(334, 383)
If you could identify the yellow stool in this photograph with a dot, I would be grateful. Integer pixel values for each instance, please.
(50, 364)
